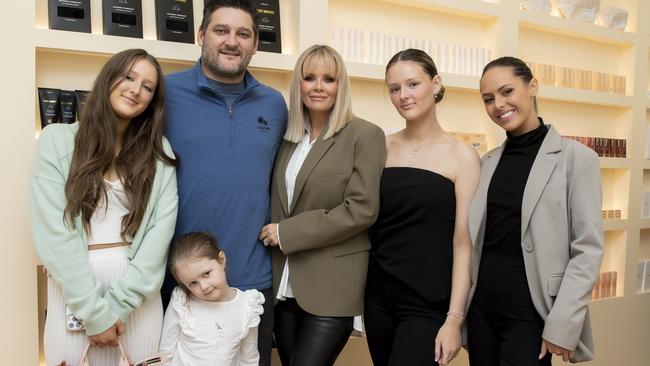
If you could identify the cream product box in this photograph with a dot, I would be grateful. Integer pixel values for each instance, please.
(175, 21)
(70, 15)
(122, 18)
(647, 143)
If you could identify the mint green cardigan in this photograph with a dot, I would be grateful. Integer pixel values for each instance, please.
(64, 251)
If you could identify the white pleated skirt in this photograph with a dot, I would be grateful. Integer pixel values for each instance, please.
(143, 327)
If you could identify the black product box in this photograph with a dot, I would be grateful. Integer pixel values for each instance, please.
(175, 20)
(70, 15)
(123, 18)
(268, 24)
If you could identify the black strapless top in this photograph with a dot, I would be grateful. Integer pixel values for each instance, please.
(413, 236)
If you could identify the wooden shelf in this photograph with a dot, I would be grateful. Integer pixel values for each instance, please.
(617, 297)
(645, 223)
(585, 96)
(614, 225)
(575, 28)
(357, 70)
(614, 163)
(467, 8)
(174, 52)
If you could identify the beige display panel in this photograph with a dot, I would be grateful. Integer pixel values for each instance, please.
(44, 58)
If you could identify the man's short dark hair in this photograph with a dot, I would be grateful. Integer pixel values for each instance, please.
(213, 5)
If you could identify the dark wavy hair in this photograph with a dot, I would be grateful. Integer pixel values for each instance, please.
(95, 141)
(421, 58)
(214, 5)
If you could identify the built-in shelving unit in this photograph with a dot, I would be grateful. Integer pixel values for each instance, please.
(71, 60)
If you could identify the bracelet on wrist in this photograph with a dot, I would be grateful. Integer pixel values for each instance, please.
(455, 314)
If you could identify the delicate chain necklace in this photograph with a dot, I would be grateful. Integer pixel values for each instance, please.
(225, 318)
(414, 148)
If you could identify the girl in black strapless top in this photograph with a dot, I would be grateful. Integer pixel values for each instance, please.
(419, 269)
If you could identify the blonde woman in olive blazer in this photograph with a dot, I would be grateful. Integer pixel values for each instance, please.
(324, 197)
(561, 227)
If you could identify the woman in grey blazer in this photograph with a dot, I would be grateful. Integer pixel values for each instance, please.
(535, 222)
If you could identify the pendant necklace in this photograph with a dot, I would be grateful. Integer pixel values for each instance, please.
(414, 148)
(225, 318)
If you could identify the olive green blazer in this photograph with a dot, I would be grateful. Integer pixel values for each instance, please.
(324, 232)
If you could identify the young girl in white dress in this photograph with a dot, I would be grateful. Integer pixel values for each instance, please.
(208, 322)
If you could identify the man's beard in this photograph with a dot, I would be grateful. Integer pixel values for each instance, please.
(211, 60)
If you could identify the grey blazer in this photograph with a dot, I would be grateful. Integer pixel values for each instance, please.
(561, 236)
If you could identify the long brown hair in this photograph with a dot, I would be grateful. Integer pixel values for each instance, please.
(95, 141)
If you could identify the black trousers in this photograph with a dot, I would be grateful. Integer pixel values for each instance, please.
(401, 325)
(303, 339)
(504, 328)
(265, 329)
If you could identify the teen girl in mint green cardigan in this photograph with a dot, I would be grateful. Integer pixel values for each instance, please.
(103, 209)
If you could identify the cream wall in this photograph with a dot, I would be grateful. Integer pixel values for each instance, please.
(19, 339)
(34, 56)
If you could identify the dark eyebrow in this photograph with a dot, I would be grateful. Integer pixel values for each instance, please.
(504, 86)
(498, 90)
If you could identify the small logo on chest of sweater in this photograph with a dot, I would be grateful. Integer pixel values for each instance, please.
(262, 124)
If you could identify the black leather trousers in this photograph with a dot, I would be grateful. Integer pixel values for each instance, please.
(304, 339)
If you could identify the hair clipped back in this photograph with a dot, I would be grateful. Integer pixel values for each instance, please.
(195, 245)
(421, 58)
(518, 67)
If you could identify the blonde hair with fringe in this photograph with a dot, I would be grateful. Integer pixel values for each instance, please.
(341, 112)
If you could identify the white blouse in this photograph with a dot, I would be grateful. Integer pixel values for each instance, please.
(106, 221)
(293, 168)
(208, 333)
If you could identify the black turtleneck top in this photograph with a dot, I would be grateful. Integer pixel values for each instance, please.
(506, 192)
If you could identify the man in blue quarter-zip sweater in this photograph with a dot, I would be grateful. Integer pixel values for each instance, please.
(225, 128)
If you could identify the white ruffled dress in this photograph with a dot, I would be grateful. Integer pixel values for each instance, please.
(199, 333)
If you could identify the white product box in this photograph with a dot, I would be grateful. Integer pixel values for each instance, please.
(646, 205)
(456, 59)
(360, 45)
(640, 275)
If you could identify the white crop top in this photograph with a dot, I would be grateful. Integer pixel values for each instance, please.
(106, 221)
